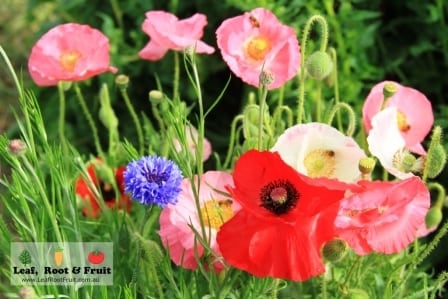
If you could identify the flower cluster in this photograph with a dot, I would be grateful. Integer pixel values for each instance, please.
(290, 190)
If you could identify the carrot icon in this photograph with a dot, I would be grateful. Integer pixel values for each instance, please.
(58, 256)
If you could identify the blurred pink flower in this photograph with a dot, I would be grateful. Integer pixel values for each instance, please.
(319, 150)
(257, 41)
(177, 221)
(383, 216)
(415, 116)
(69, 52)
(191, 134)
(386, 142)
(167, 32)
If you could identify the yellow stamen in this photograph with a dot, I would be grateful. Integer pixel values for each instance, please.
(68, 59)
(320, 163)
(215, 212)
(402, 123)
(258, 47)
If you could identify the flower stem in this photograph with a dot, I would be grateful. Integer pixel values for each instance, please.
(89, 118)
(139, 246)
(323, 46)
(351, 117)
(61, 121)
(176, 76)
(135, 119)
(232, 140)
(264, 93)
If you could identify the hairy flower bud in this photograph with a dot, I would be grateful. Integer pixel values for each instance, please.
(433, 217)
(319, 65)
(334, 250)
(436, 158)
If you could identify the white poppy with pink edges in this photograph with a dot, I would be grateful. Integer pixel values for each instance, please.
(319, 150)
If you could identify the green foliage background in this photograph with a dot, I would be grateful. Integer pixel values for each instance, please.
(405, 41)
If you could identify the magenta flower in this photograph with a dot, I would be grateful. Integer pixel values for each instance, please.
(257, 41)
(167, 32)
(384, 217)
(415, 117)
(69, 52)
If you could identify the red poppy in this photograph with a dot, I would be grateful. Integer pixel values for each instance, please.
(91, 206)
(285, 218)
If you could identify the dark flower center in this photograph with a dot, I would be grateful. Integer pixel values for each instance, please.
(108, 191)
(279, 196)
(156, 177)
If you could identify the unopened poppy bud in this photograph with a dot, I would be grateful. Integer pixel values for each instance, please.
(156, 96)
(266, 78)
(27, 293)
(357, 294)
(122, 81)
(389, 89)
(433, 217)
(16, 147)
(435, 161)
(334, 250)
(366, 165)
(319, 65)
(106, 113)
(251, 120)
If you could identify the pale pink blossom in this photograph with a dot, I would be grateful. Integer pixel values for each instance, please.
(167, 32)
(69, 52)
(415, 116)
(257, 41)
(386, 142)
(382, 216)
(319, 150)
(192, 136)
(180, 222)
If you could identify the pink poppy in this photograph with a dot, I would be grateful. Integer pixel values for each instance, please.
(177, 221)
(69, 52)
(192, 142)
(319, 150)
(415, 117)
(167, 32)
(384, 217)
(257, 41)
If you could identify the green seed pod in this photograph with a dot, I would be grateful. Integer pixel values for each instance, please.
(319, 65)
(122, 81)
(389, 89)
(366, 165)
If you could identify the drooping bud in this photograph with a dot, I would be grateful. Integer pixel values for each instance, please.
(436, 158)
(319, 65)
(16, 147)
(366, 165)
(122, 81)
(334, 250)
(251, 120)
(433, 217)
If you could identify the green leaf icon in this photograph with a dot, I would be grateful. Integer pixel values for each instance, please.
(25, 257)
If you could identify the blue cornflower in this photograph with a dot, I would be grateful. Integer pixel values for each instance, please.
(153, 180)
